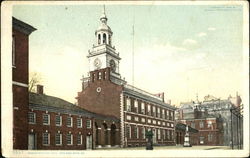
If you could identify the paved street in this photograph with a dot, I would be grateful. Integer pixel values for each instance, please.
(174, 148)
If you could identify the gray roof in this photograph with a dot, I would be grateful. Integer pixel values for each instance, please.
(22, 26)
(146, 97)
(53, 104)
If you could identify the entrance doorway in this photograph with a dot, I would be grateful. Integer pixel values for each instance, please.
(31, 141)
(89, 142)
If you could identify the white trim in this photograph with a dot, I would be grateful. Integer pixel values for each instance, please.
(20, 84)
(130, 123)
(122, 137)
(147, 116)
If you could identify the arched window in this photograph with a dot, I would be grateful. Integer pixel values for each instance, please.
(99, 38)
(104, 38)
(109, 39)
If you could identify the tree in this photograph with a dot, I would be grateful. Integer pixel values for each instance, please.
(34, 79)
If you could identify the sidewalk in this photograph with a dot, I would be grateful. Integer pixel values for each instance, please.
(173, 148)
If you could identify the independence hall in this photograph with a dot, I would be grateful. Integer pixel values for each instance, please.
(109, 112)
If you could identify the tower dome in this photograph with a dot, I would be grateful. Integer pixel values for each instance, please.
(103, 32)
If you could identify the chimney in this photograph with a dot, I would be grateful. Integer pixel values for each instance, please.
(39, 89)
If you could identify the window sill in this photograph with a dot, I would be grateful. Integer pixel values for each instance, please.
(32, 123)
(13, 66)
(46, 124)
(46, 145)
(58, 144)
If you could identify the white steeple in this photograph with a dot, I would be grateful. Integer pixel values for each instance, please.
(103, 54)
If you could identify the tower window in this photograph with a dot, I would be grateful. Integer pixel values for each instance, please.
(109, 39)
(99, 39)
(104, 38)
(99, 75)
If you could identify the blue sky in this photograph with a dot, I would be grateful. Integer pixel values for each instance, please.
(179, 49)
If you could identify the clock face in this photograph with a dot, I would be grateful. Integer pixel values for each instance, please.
(112, 65)
(97, 63)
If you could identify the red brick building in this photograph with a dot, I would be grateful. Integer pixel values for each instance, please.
(210, 127)
(180, 131)
(55, 124)
(105, 92)
(20, 70)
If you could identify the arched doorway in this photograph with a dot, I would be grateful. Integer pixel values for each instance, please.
(97, 135)
(113, 135)
(104, 134)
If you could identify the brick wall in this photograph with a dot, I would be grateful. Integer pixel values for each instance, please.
(107, 101)
(20, 93)
(39, 128)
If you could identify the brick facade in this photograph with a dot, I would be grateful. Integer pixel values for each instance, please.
(38, 128)
(20, 56)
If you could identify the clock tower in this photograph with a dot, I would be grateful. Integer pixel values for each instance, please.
(103, 54)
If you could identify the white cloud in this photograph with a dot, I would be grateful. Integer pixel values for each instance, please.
(189, 42)
(211, 29)
(202, 34)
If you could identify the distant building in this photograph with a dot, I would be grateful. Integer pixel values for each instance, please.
(105, 92)
(20, 70)
(180, 131)
(219, 109)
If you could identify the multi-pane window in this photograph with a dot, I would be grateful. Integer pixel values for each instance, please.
(58, 120)
(32, 117)
(170, 116)
(136, 106)
(149, 120)
(128, 117)
(193, 124)
(167, 114)
(128, 104)
(163, 123)
(163, 113)
(149, 110)
(58, 139)
(128, 131)
(136, 133)
(136, 118)
(46, 138)
(142, 108)
(154, 113)
(168, 134)
(201, 124)
(210, 137)
(142, 119)
(209, 124)
(88, 123)
(143, 133)
(154, 121)
(158, 112)
(159, 122)
(79, 139)
(46, 119)
(79, 122)
(69, 122)
(159, 133)
(164, 134)
(100, 75)
(69, 139)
